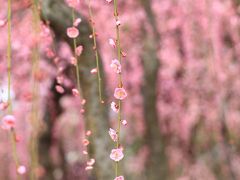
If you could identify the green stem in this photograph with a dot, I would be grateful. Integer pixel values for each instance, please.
(96, 51)
(119, 80)
(75, 55)
(9, 61)
(35, 86)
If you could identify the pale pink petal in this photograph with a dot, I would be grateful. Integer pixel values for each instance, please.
(120, 93)
(72, 32)
(21, 170)
(117, 154)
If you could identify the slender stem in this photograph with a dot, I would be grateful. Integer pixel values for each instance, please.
(9, 56)
(119, 79)
(35, 86)
(75, 55)
(96, 51)
(9, 63)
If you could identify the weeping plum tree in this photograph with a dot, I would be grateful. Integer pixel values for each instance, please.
(59, 17)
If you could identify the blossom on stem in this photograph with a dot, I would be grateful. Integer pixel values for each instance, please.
(112, 43)
(116, 66)
(91, 162)
(21, 170)
(114, 107)
(94, 71)
(113, 134)
(73, 3)
(119, 178)
(117, 154)
(109, 1)
(77, 22)
(120, 93)
(79, 50)
(72, 32)
(8, 122)
(75, 92)
(124, 122)
(59, 89)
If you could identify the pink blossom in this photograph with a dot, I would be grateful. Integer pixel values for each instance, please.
(77, 22)
(118, 23)
(79, 50)
(8, 122)
(116, 66)
(85, 152)
(75, 92)
(124, 122)
(21, 170)
(91, 162)
(88, 168)
(120, 93)
(3, 105)
(85, 142)
(73, 61)
(88, 133)
(109, 1)
(94, 71)
(114, 107)
(73, 3)
(124, 54)
(119, 178)
(112, 43)
(72, 32)
(59, 89)
(117, 154)
(83, 101)
(113, 134)
(2, 22)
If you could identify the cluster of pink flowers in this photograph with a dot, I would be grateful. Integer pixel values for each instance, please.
(120, 94)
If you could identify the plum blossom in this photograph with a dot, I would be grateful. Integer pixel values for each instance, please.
(75, 92)
(73, 3)
(8, 122)
(21, 170)
(2, 22)
(88, 133)
(119, 178)
(118, 22)
(3, 105)
(91, 162)
(79, 50)
(85, 152)
(77, 22)
(59, 89)
(85, 142)
(124, 122)
(88, 168)
(112, 43)
(73, 61)
(117, 154)
(72, 32)
(116, 66)
(83, 101)
(120, 93)
(113, 134)
(94, 71)
(114, 107)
